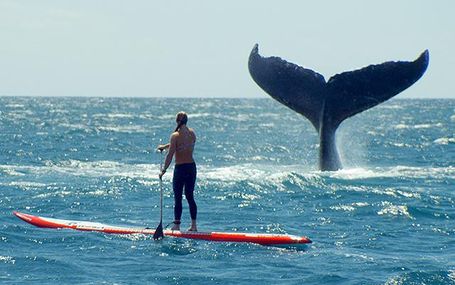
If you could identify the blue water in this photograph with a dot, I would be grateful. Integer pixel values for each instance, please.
(387, 218)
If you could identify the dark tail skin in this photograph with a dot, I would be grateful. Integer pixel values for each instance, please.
(327, 104)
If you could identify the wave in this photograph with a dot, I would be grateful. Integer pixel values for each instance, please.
(114, 116)
(10, 170)
(389, 106)
(27, 184)
(240, 172)
(418, 126)
(253, 185)
(83, 127)
(102, 168)
(85, 168)
(123, 129)
(190, 116)
(15, 106)
(423, 277)
(394, 210)
(396, 171)
(130, 129)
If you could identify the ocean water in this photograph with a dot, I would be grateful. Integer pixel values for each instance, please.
(387, 218)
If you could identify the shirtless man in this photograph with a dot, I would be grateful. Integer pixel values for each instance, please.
(182, 143)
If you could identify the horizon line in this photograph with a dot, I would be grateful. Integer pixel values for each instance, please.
(189, 97)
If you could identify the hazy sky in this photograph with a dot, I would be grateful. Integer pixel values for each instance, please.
(201, 48)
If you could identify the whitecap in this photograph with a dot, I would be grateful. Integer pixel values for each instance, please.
(97, 193)
(239, 118)
(123, 129)
(249, 172)
(75, 126)
(7, 259)
(415, 195)
(401, 126)
(269, 116)
(120, 116)
(54, 194)
(167, 117)
(396, 171)
(394, 210)
(418, 126)
(444, 141)
(346, 208)
(401, 145)
(27, 185)
(427, 126)
(349, 208)
(355, 173)
(199, 115)
(258, 158)
(14, 106)
(359, 256)
(451, 274)
(231, 173)
(393, 107)
(102, 168)
(361, 204)
(10, 170)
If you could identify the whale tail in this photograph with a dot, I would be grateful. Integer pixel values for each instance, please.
(327, 104)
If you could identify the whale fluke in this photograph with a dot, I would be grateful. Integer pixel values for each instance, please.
(327, 104)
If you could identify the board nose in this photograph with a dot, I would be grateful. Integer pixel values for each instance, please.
(22, 216)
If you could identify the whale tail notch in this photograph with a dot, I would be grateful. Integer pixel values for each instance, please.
(328, 104)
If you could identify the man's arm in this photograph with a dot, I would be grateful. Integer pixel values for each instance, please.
(162, 147)
(172, 146)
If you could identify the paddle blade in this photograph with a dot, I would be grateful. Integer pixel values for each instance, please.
(159, 232)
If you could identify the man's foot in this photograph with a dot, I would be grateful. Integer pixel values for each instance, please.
(193, 227)
(176, 226)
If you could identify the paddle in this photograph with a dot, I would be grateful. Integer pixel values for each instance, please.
(159, 230)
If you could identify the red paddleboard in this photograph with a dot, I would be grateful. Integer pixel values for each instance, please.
(258, 238)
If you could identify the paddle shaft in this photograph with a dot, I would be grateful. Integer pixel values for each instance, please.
(159, 230)
(161, 189)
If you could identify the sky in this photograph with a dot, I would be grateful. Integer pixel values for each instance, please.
(146, 48)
